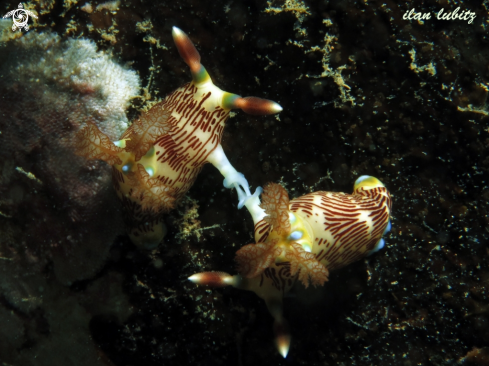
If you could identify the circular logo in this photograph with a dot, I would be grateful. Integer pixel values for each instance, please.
(20, 17)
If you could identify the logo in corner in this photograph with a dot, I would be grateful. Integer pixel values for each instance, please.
(20, 17)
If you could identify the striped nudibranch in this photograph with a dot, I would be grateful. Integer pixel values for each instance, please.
(159, 156)
(303, 240)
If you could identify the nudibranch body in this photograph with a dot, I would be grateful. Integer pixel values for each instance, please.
(303, 239)
(158, 158)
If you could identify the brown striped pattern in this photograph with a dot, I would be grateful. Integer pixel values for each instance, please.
(181, 153)
(344, 236)
(262, 229)
(193, 136)
(352, 224)
(279, 276)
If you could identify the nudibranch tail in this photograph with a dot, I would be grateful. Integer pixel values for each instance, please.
(92, 143)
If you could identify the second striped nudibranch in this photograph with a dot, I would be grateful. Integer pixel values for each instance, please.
(303, 239)
(158, 158)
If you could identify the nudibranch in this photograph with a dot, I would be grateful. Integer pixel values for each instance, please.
(303, 239)
(158, 158)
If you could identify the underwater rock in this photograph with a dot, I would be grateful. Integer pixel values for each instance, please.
(63, 205)
(58, 331)
(58, 213)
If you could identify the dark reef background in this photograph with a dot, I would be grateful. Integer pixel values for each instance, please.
(364, 92)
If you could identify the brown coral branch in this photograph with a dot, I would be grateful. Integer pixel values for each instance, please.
(93, 144)
(275, 202)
